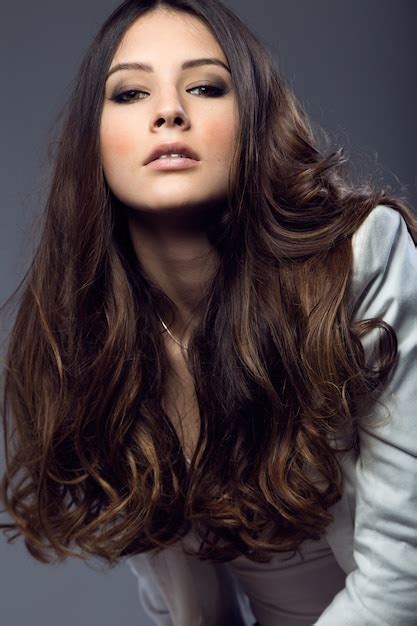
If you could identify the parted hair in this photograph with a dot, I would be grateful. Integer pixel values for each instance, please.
(94, 466)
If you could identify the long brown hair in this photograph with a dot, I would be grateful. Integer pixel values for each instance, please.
(94, 466)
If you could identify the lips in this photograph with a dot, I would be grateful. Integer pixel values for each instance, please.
(175, 148)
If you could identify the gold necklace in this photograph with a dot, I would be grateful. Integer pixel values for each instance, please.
(170, 334)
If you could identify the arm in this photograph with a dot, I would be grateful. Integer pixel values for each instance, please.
(150, 597)
(382, 589)
(177, 589)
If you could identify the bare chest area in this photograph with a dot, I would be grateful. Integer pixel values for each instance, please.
(181, 405)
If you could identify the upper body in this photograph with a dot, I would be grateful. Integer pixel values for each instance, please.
(187, 173)
(374, 532)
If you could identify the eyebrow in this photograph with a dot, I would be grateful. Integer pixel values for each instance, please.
(185, 66)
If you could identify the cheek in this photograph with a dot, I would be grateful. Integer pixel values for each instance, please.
(117, 140)
(221, 135)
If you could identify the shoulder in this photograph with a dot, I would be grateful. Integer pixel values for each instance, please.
(385, 287)
(376, 235)
(382, 244)
(381, 217)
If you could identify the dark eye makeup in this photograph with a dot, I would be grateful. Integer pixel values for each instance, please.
(211, 91)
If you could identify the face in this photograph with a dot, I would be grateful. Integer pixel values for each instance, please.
(142, 109)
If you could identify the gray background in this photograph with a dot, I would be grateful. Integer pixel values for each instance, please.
(350, 64)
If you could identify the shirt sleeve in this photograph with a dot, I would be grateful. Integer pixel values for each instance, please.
(382, 589)
(150, 596)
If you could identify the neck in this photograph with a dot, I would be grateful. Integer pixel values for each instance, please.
(178, 258)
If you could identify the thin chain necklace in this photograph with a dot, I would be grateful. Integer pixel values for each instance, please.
(170, 334)
(182, 346)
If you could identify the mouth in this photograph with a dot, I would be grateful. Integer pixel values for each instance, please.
(166, 149)
(172, 163)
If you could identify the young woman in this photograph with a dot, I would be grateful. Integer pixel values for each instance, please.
(211, 374)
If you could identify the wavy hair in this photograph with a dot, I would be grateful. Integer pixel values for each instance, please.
(94, 466)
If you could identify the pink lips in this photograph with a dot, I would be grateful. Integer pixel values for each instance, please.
(172, 163)
(172, 147)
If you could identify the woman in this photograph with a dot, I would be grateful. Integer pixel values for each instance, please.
(195, 381)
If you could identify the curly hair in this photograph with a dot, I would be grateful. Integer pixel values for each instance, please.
(94, 466)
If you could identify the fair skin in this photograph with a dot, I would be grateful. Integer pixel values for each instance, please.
(167, 210)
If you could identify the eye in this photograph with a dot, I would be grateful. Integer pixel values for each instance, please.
(213, 91)
(120, 96)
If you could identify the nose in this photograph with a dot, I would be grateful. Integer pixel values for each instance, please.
(170, 111)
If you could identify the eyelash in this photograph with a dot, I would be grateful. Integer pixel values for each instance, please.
(118, 97)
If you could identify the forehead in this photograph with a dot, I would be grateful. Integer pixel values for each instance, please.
(164, 35)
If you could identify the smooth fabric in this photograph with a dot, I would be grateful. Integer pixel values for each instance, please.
(364, 570)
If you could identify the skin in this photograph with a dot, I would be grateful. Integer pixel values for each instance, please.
(167, 210)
